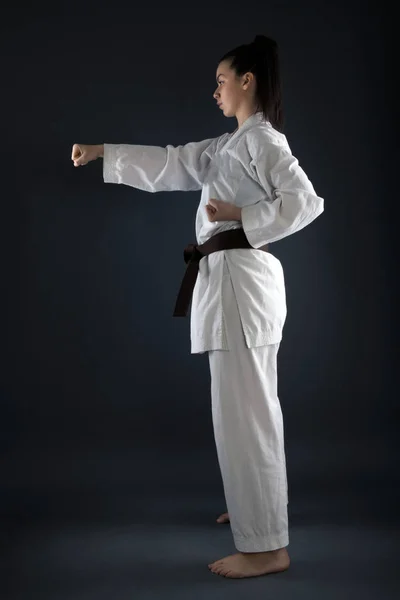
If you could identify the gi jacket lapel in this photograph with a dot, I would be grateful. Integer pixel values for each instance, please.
(251, 121)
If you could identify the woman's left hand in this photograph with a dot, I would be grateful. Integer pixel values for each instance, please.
(217, 210)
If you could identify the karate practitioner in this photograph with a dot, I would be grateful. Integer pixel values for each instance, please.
(253, 193)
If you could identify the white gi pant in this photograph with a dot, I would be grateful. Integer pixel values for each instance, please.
(248, 430)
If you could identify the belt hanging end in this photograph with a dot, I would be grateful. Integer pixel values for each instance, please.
(180, 311)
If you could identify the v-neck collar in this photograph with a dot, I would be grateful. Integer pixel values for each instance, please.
(249, 122)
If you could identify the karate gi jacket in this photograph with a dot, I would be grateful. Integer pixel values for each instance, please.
(253, 168)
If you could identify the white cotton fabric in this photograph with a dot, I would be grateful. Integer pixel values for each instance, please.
(254, 169)
(249, 436)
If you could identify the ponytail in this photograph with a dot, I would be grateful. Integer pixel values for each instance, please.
(261, 57)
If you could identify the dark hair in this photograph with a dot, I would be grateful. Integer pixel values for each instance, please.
(261, 58)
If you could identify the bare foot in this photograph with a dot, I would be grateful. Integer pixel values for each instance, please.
(251, 564)
(224, 518)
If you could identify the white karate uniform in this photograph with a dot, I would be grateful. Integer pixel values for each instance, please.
(239, 302)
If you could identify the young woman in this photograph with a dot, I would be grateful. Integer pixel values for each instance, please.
(253, 193)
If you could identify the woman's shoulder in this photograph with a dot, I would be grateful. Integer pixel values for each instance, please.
(265, 132)
(264, 136)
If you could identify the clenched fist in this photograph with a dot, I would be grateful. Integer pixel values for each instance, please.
(83, 153)
(217, 210)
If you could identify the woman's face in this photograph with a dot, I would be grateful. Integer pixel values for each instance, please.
(230, 91)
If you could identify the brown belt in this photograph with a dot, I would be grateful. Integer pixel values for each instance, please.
(226, 240)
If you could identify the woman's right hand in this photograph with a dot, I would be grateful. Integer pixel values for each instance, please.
(84, 153)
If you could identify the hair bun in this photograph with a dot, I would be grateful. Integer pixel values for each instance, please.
(262, 42)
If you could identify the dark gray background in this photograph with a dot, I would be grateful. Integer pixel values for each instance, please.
(110, 484)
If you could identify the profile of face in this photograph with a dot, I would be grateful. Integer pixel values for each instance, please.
(232, 91)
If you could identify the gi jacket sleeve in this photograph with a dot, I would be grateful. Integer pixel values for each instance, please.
(290, 201)
(157, 169)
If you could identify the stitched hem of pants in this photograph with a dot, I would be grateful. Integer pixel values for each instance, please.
(261, 544)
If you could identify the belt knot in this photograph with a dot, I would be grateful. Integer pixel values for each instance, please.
(192, 254)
